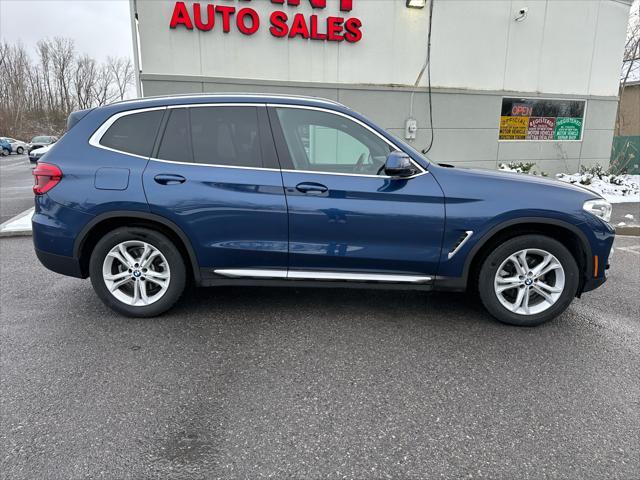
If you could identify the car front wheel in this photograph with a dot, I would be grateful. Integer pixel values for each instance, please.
(528, 280)
(137, 272)
(20, 150)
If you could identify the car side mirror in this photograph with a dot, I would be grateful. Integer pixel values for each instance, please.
(399, 164)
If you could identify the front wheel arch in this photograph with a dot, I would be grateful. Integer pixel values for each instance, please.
(567, 234)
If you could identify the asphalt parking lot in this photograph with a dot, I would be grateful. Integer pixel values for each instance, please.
(310, 383)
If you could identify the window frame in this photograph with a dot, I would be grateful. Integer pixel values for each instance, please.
(271, 134)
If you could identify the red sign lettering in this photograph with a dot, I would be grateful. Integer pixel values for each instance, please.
(247, 21)
(345, 5)
(521, 110)
(181, 16)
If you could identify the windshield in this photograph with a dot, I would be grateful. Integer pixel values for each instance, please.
(40, 140)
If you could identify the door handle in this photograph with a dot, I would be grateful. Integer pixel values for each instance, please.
(169, 179)
(311, 188)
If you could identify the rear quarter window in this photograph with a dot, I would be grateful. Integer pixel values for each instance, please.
(135, 133)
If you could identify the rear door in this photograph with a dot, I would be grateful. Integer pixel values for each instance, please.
(347, 220)
(215, 174)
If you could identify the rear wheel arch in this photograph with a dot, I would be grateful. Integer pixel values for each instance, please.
(96, 228)
(567, 234)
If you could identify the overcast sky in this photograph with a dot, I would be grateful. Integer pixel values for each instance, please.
(100, 28)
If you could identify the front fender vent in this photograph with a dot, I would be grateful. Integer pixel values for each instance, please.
(461, 241)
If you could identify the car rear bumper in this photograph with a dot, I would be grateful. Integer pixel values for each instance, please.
(69, 266)
(55, 229)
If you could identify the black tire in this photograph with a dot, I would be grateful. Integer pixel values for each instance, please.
(159, 241)
(504, 250)
(20, 150)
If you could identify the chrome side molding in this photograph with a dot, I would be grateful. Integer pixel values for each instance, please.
(314, 275)
(252, 273)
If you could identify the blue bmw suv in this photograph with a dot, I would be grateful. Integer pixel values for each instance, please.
(149, 195)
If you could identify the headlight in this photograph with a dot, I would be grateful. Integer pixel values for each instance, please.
(599, 207)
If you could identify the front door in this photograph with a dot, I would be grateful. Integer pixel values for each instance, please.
(347, 220)
(216, 176)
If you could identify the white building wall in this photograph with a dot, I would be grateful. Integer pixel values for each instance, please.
(562, 47)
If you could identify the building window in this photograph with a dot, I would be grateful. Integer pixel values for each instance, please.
(539, 119)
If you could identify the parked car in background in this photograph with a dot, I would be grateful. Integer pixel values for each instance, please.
(41, 141)
(143, 195)
(5, 146)
(35, 155)
(17, 146)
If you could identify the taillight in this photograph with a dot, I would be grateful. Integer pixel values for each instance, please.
(46, 176)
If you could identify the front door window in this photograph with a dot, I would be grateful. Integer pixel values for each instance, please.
(324, 142)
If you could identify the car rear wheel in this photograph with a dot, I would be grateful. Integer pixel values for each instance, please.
(528, 280)
(137, 272)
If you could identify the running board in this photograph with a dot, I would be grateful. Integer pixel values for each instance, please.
(313, 275)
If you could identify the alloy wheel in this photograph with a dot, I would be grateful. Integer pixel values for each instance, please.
(136, 273)
(529, 281)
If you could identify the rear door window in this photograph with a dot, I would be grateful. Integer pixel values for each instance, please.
(135, 133)
(176, 144)
(227, 136)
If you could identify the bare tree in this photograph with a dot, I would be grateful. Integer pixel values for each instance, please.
(84, 81)
(104, 91)
(63, 60)
(37, 94)
(122, 71)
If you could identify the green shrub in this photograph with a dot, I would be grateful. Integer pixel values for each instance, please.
(528, 168)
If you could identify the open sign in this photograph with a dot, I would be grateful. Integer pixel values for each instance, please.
(521, 110)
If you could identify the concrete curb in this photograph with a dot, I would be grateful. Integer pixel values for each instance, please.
(631, 230)
(18, 226)
(16, 233)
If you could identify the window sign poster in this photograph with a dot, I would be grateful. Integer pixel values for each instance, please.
(541, 119)
(513, 128)
(568, 128)
(541, 128)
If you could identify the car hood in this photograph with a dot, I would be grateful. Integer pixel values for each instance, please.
(523, 178)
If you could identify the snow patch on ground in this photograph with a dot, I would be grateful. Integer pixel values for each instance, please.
(614, 188)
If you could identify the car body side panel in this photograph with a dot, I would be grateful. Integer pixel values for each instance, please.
(485, 202)
(76, 195)
(234, 217)
(80, 162)
(365, 223)
(56, 226)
